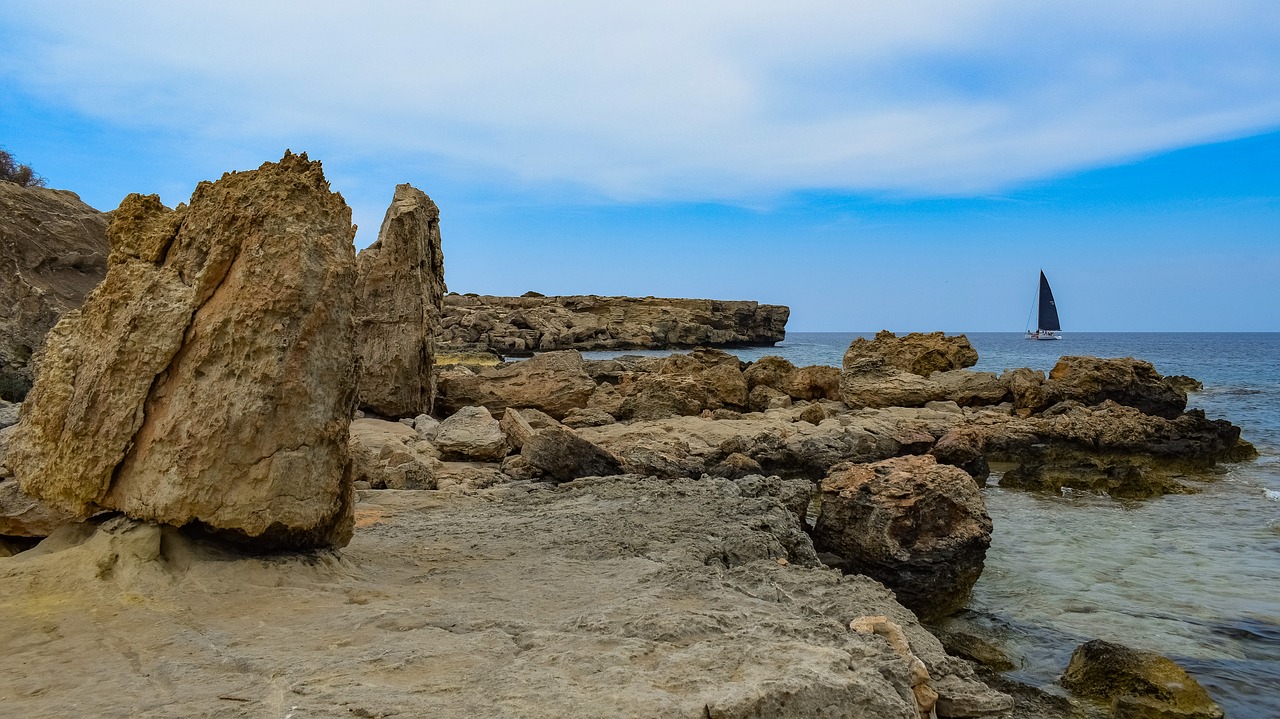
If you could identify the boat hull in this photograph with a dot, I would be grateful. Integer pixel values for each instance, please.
(1043, 336)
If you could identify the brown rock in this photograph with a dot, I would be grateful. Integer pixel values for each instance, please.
(1136, 383)
(472, 434)
(970, 389)
(562, 455)
(210, 378)
(917, 353)
(764, 398)
(1139, 685)
(736, 466)
(919, 527)
(814, 382)
(1027, 389)
(23, 516)
(772, 371)
(964, 448)
(588, 417)
(399, 291)
(515, 427)
(53, 250)
(555, 383)
(873, 382)
(386, 455)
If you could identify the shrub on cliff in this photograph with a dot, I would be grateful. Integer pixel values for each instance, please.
(11, 171)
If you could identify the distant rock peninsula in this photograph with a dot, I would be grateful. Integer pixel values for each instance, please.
(533, 322)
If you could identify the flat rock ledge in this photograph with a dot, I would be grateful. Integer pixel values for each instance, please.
(620, 596)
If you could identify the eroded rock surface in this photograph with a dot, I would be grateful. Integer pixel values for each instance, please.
(1138, 684)
(590, 322)
(53, 250)
(555, 383)
(918, 353)
(399, 292)
(210, 377)
(918, 526)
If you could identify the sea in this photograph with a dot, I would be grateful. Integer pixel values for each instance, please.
(1193, 577)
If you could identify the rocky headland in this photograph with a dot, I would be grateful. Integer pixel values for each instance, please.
(242, 486)
(534, 322)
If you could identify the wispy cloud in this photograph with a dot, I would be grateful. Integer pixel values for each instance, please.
(688, 100)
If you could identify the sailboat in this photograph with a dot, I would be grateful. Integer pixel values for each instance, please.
(1047, 325)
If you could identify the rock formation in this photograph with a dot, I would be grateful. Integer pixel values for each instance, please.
(918, 526)
(555, 383)
(918, 353)
(399, 291)
(1138, 684)
(210, 378)
(514, 325)
(53, 250)
(390, 455)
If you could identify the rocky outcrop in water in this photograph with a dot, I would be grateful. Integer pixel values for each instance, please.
(210, 378)
(1137, 684)
(53, 250)
(513, 325)
(399, 292)
(918, 353)
(1094, 380)
(918, 526)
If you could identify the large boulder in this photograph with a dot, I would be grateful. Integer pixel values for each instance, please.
(970, 389)
(554, 382)
(53, 250)
(1128, 381)
(814, 382)
(399, 290)
(472, 434)
(561, 454)
(918, 353)
(875, 382)
(919, 527)
(210, 377)
(1138, 684)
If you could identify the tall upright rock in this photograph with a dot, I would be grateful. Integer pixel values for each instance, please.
(399, 293)
(53, 250)
(210, 378)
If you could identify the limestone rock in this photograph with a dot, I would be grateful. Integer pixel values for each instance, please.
(1139, 684)
(772, 371)
(386, 455)
(813, 383)
(1027, 389)
(764, 398)
(555, 383)
(210, 377)
(918, 353)
(970, 389)
(964, 448)
(472, 434)
(919, 527)
(588, 417)
(562, 455)
(53, 250)
(399, 292)
(9, 412)
(588, 322)
(874, 382)
(1136, 383)
(735, 466)
(516, 428)
(23, 516)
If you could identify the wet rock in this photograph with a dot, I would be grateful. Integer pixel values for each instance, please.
(554, 383)
(1138, 684)
(472, 434)
(210, 377)
(399, 290)
(386, 455)
(1184, 384)
(919, 527)
(53, 251)
(917, 353)
(562, 455)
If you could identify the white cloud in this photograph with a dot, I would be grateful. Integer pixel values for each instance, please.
(689, 100)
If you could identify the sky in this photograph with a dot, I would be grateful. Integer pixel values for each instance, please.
(907, 166)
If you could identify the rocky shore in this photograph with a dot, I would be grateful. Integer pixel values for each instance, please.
(241, 486)
(533, 322)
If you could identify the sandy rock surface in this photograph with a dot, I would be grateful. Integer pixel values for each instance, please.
(618, 597)
(399, 291)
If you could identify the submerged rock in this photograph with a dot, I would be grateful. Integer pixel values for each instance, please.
(210, 377)
(918, 526)
(399, 291)
(1138, 684)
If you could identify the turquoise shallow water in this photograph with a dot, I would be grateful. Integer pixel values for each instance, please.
(1194, 577)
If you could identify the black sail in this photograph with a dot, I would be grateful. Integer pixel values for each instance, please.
(1048, 310)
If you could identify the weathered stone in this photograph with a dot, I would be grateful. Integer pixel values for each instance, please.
(736, 465)
(386, 455)
(794, 494)
(561, 455)
(918, 353)
(1027, 389)
(23, 516)
(1184, 384)
(963, 448)
(472, 434)
(764, 398)
(210, 377)
(589, 322)
(772, 371)
(589, 417)
(873, 382)
(538, 419)
(1093, 380)
(656, 396)
(813, 414)
(1139, 684)
(970, 389)
(719, 373)
(813, 383)
(9, 412)
(555, 383)
(919, 527)
(399, 292)
(53, 250)
(426, 426)
(516, 427)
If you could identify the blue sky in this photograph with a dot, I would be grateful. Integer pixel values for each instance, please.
(905, 165)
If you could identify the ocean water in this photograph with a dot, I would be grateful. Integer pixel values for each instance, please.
(1193, 577)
